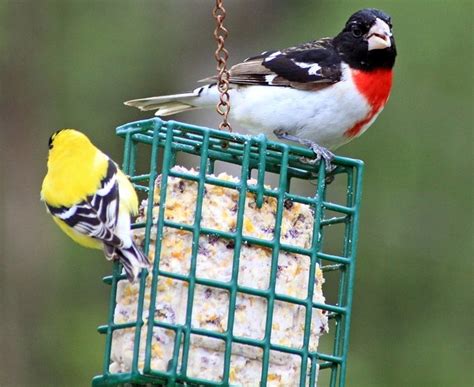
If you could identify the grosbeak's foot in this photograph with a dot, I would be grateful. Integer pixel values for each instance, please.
(321, 152)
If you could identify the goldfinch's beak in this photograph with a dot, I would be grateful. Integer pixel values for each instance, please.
(379, 35)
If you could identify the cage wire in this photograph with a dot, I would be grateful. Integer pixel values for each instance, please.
(168, 139)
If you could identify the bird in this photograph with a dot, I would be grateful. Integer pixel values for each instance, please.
(320, 94)
(91, 199)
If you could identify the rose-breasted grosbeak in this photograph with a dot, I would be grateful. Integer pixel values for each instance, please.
(320, 94)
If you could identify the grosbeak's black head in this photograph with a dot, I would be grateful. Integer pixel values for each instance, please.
(366, 42)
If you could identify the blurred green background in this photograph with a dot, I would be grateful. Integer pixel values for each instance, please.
(73, 63)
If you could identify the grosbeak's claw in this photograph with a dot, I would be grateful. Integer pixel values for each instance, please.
(324, 154)
(321, 152)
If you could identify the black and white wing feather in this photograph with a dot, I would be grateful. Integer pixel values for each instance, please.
(97, 215)
(311, 65)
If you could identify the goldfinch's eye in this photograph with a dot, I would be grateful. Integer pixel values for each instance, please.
(50, 142)
(356, 31)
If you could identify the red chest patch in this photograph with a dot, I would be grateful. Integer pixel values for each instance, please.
(375, 87)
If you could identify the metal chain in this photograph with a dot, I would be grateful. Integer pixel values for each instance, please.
(221, 55)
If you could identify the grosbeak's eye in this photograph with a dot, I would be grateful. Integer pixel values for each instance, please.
(356, 31)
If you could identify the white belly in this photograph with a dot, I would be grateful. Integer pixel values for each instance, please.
(321, 116)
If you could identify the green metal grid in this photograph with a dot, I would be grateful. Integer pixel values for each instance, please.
(168, 139)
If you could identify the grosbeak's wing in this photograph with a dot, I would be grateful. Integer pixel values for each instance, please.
(311, 65)
(97, 215)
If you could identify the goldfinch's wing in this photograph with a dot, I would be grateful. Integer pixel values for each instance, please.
(97, 215)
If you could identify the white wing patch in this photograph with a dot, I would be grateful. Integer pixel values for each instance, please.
(313, 68)
(269, 78)
(105, 190)
(67, 213)
(272, 56)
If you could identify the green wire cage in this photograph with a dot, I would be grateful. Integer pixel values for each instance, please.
(254, 156)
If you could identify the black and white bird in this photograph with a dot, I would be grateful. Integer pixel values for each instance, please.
(321, 94)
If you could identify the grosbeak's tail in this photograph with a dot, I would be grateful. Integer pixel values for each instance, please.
(168, 104)
(131, 258)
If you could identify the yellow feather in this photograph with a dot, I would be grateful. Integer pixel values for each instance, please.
(82, 239)
(128, 196)
(75, 170)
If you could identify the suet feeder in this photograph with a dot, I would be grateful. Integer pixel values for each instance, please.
(253, 156)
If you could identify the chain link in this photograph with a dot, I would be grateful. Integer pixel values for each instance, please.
(221, 55)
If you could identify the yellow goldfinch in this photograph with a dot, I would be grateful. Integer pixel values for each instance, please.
(91, 199)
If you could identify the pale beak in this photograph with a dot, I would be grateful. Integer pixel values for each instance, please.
(379, 35)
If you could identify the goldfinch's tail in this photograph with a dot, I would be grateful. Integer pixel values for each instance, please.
(171, 104)
(131, 258)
